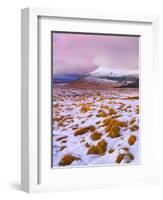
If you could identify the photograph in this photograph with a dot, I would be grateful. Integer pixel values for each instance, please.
(95, 99)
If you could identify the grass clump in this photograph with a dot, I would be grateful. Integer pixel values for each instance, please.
(85, 108)
(62, 148)
(104, 107)
(137, 110)
(95, 135)
(112, 111)
(57, 119)
(110, 123)
(98, 149)
(132, 98)
(133, 120)
(127, 157)
(132, 139)
(67, 160)
(125, 148)
(102, 114)
(134, 127)
(107, 121)
(84, 130)
(115, 132)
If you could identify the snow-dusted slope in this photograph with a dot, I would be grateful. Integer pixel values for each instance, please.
(106, 71)
(92, 127)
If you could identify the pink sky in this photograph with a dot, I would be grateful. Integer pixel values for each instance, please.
(83, 53)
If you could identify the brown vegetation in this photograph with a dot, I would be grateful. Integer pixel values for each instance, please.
(127, 156)
(57, 119)
(99, 149)
(125, 148)
(87, 145)
(102, 114)
(112, 111)
(131, 98)
(96, 135)
(132, 139)
(85, 108)
(137, 109)
(63, 147)
(113, 127)
(134, 128)
(114, 132)
(67, 160)
(84, 130)
(133, 120)
(60, 138)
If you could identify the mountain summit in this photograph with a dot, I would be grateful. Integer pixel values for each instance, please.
(104, 71)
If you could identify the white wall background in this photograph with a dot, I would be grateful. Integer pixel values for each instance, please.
(10, 96)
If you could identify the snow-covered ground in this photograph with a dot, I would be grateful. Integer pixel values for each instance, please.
(93, 127)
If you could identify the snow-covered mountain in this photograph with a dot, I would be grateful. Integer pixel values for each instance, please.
(104, 71)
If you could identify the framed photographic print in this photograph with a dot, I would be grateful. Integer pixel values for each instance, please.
(88, 100)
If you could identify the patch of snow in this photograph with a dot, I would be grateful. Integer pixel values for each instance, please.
(68, 103)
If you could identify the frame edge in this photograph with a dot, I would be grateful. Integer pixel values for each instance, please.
(24, 100)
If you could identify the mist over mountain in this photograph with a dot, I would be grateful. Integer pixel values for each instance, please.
(127, 78)
(103, 74)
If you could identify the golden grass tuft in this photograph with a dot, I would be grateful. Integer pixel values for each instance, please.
(68, 159)
(105, 107)
(132, 139)
(127, 156)
(101, 99)
(133, 120)
(112, 111)
(98, 149)
(116, 116)
(102, 114)
(125, 148)
(84, 130)
(132, 98)
(61, 124)
(95, 135)
(111, 122)
(57, 119)
(115, 132)
(134, 127)
(107, 121)
(85, 108)
(137, 110)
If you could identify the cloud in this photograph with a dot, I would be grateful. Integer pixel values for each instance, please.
(82, 53)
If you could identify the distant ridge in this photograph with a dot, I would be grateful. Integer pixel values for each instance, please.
(65, 78)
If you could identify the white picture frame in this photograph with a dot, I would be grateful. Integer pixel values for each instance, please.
(36, 173)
